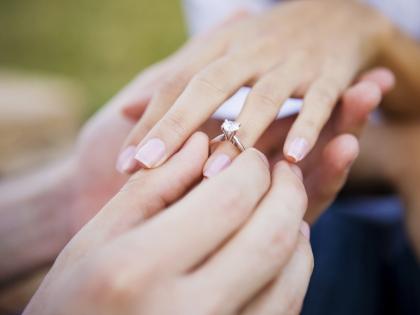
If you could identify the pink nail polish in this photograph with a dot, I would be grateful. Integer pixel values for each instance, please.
(297, 150)
(305, 230)
(126, 162)
(150, 153)
(219, 163)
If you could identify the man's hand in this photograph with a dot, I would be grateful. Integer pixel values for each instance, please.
(391, 151)
(145, 254)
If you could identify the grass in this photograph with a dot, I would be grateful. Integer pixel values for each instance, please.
(101, 44)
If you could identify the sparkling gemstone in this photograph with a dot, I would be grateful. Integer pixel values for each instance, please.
(230, 126)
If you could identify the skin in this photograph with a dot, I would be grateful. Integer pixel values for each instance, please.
(113, 258)
(317, 63)
(396, 147)
(73, 191)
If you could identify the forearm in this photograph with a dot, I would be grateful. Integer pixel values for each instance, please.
(34, 219)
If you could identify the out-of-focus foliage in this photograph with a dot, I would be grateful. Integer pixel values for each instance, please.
(100, 43)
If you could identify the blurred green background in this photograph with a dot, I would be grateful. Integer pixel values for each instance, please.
(100, 44)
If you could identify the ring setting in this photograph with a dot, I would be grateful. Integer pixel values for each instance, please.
(229, 129)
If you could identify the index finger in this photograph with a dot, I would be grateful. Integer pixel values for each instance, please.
(205, 92)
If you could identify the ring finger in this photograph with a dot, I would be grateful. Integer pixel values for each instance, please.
(260, 110)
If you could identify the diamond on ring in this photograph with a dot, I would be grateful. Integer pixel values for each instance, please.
(229, 128)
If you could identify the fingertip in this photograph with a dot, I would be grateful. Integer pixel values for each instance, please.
(295, 150)
(366, 95)
(342, 151)
(383, 77)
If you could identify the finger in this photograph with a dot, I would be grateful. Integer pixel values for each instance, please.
(330, 175)
(261, 247)
(158, 106)
(148, 192)
(286, 294)
(190, 230)
(383, 77)
(319, 103)
(179, 73)
(357, 103)
(132, 100)
(260, 110)
(160, 73)
(206, 91)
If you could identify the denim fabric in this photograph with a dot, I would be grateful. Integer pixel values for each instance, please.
(363, 262)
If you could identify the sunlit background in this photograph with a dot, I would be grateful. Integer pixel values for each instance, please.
(97, 45)
(62, 60)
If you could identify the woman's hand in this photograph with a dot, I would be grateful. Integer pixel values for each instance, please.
(305, 48)
(240, 229)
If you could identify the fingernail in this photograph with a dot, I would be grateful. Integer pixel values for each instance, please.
(305, 230)
(219, 163)
(297, 150)
(151, 152)
(126, 162)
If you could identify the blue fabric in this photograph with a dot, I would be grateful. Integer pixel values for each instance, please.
(363, 262)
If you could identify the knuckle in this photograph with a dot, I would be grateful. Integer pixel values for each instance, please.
(105, 283)
(233, 201)
(278, 245)
(173, 84)
(176, 124)
(261, 96)
(205, 82)
(325, 95)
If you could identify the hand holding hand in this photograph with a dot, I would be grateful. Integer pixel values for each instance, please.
(240, 229)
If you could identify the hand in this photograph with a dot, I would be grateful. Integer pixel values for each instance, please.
(240, 229)
(95, 179)
(326, 168)
(317, 55)
(390, 151)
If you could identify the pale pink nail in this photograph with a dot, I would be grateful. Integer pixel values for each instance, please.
(126, 162)
(297, 150)
(305, 230)
(150, 153)
(219, 163)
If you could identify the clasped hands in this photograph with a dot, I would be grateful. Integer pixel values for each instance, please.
(171, 243)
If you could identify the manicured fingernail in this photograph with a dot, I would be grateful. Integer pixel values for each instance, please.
(297, 150)
(305, 230)
(219, 163)
(150, 153)
(126, 161)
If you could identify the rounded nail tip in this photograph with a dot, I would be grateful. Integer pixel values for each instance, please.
(291, 159)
